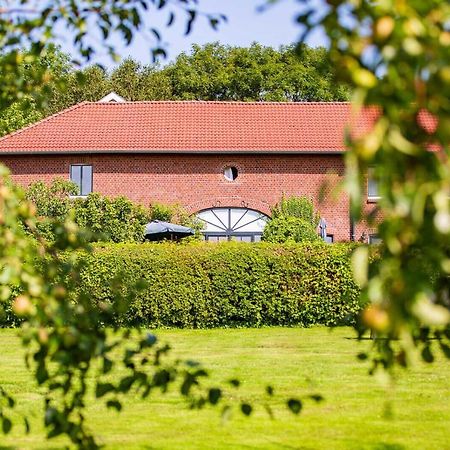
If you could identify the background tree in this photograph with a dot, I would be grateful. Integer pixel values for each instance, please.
(89, 84)
(137, 82)
(18, 115)
(256, 73)
(30, 107)
(209, 72)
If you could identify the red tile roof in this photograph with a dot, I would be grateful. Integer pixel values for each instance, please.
(193, 126)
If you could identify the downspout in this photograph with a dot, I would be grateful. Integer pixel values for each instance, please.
(352, 228)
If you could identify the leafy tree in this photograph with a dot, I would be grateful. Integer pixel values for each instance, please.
(218, 72)
(116, 220)
(177, 214)
(32, 26)
(18, 115)
(299, 207)
(289, 229)
(293, 220)
(109, 219)
(54, 67)
(51, 202)
(89, 84)
(135, 82)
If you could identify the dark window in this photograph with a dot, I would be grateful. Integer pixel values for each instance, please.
(81, 175)
(329, 238)
(374, 239)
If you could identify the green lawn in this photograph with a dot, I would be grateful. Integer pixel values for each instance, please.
(297, 362)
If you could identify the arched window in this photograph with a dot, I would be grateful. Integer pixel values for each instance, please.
(226, 224)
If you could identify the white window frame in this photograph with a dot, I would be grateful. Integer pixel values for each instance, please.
(371, 178)
(80, 195)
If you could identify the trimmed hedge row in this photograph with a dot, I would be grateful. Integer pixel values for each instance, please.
(225, 285)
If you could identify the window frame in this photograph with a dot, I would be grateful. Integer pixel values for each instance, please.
(374, 239)
(80, 186)
(234, 171)
(371, 178)
(229, 230)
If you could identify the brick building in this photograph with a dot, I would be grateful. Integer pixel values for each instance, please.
(228, 162)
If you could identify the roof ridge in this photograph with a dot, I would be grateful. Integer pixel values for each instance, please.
(218, 102)
(45, 119)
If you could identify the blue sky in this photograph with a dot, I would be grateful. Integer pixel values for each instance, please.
(245, 25)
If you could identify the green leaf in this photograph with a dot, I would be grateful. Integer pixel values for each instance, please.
(427, 355)
(445, 349)
(103, 388)
(126, 383)
(27, 425)
(41, 374)
(192, 15)
(294, 405)
(360, 265)
(187, 384)
(114, 404)
(246, 409)
(214, 396)
(107, 365)
(6, 425)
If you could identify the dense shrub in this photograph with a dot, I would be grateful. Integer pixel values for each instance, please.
(293, 220)
(109, 219)
(52, 203)
(160, 211)
(299, 207)
(224, 285)
(289, 229)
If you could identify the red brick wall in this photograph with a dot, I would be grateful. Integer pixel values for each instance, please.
(197, 181)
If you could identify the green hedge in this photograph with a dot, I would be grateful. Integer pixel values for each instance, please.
(225, 285)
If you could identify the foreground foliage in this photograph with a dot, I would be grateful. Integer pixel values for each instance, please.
(396, 56)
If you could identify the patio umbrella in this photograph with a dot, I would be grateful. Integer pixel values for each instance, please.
(158, 230)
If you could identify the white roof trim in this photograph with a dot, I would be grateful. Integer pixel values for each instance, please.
(112, 97)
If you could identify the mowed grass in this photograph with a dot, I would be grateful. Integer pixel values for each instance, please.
(297, 362)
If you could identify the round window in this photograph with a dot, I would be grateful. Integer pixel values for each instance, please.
(230, 173)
